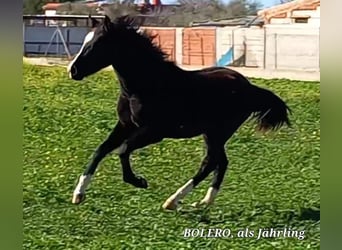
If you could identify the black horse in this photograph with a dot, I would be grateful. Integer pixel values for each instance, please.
(169, 102)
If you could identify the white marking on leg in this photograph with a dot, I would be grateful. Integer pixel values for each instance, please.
(122, 149)
(86, 40)
(172, 201)
(83, 182)
(210, 196)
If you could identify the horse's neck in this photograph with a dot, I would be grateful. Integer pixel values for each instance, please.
(138, 78)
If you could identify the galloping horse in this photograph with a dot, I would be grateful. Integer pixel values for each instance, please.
(169, 103)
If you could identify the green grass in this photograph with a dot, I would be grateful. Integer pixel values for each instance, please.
(273, 180)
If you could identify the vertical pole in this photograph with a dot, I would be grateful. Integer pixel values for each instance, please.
(265, 47)
(233, 46)
(319, 60)
(57, 41)
(215, 44)
(244, 43)
(189, 49)
(64, 44)
(24, 40)
(202, 50)
(275, 51)
(68, 40)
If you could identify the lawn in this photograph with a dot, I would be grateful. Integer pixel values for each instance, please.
(273, 180)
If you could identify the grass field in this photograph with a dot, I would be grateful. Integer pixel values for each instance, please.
(273, 180)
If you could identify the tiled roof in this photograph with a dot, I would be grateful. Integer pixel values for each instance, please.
(238, 21)
(54, 6)
(281, 10)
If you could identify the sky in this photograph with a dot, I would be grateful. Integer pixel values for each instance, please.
(265, 3)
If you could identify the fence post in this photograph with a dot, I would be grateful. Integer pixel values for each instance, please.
(265, 47)
(275, 51)
(68, 40)
(24, 43)
(233, 45)
(57, 45)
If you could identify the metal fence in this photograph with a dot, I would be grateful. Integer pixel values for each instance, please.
(53, 41)
(59, 36)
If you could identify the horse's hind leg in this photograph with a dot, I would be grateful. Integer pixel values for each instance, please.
(208, 165)
(219, 173)
(222, 161)
(113, 141)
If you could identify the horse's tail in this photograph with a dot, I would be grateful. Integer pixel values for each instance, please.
(269, 110)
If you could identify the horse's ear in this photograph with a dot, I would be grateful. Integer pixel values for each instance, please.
(122, 19)
(107, 19)
(132, 21)
(107, 22)
(138, 21)
(94, 22)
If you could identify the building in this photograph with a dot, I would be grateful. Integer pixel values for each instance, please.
(50, 8)
(297, 11)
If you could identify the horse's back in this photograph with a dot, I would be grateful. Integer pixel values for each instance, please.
(206, 97)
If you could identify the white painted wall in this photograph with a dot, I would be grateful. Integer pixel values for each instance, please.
(287, 47)
(249, 39)
(254, 47)
(292, 47)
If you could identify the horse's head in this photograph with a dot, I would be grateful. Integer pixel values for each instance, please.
(101, 47)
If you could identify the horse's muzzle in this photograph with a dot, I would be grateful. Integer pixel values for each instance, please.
(73, 73)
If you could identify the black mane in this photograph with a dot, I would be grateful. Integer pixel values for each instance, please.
(142, 38)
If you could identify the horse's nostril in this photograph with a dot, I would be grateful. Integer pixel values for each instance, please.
(73, 70)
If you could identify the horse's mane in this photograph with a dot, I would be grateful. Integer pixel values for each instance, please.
(141, 37)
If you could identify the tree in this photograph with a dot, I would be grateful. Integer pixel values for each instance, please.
(202, 10)
(33, 6)
(69, 8)
(36, 6)
(118, 9)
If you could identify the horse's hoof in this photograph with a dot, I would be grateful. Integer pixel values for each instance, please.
(140, 182)
(170, 205)
(198, 204)
(78, 198)
(136, 181)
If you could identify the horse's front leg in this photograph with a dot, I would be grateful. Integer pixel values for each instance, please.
(140, 138)
(113, 141)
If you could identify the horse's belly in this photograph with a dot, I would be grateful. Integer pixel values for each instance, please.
(183, 131)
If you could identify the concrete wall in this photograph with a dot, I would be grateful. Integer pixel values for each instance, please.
(292, 47)
(283, 47)
(254, 39)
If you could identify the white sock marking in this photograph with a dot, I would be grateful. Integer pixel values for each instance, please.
(182, 191)
(210, 196)
(122, 148)
(82, 184)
